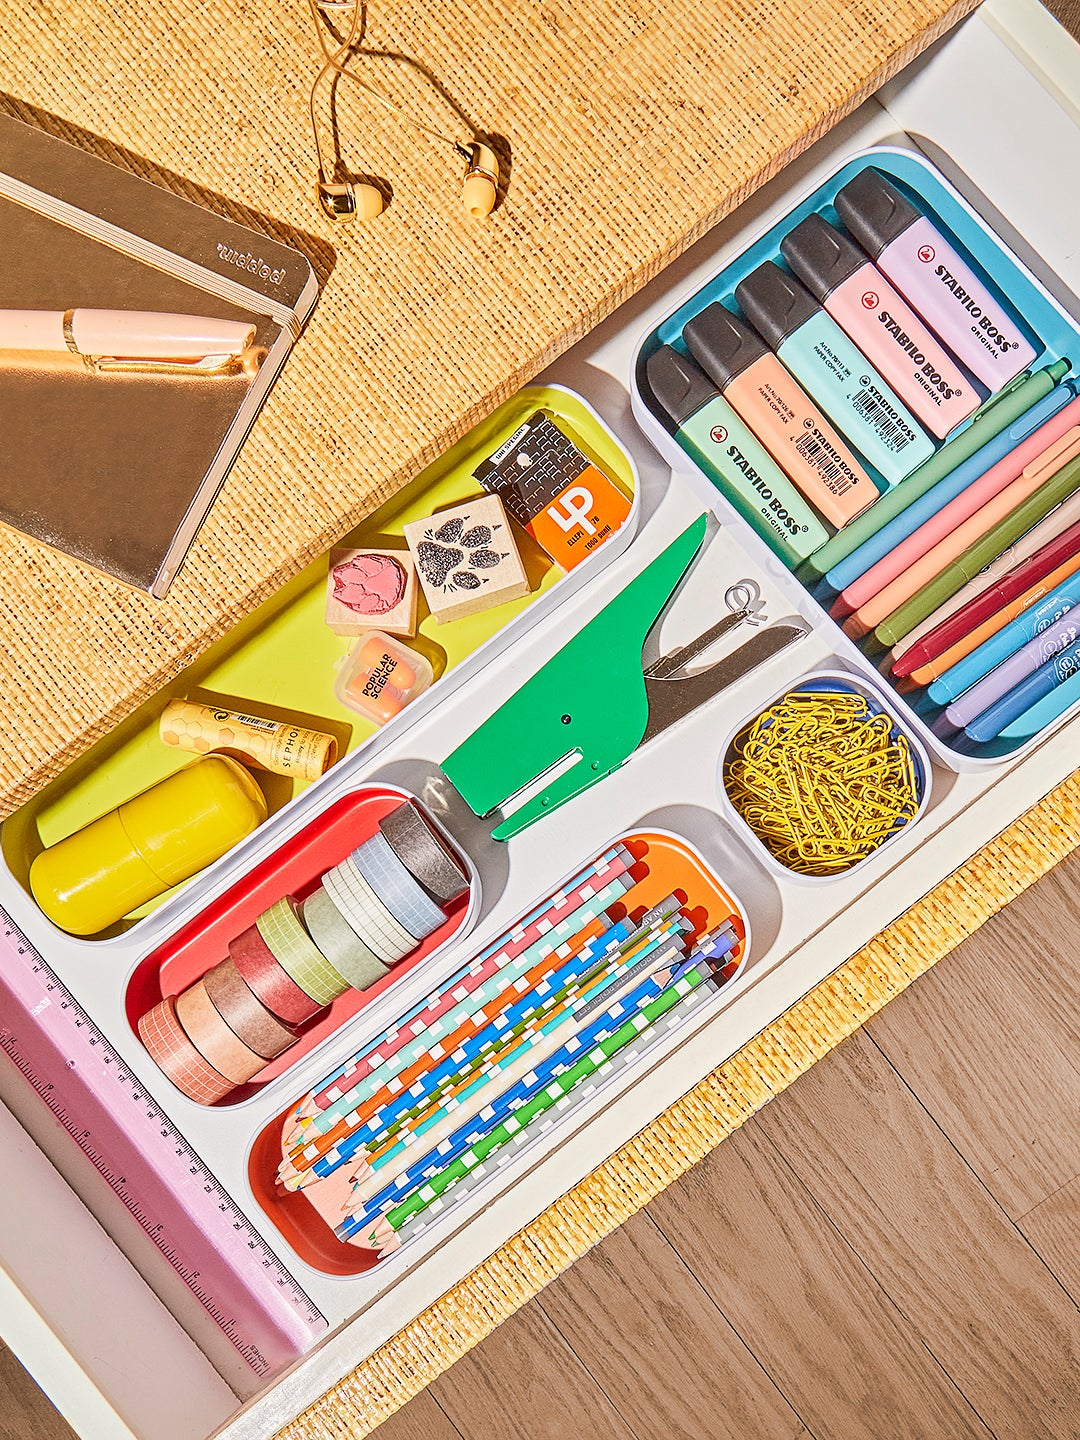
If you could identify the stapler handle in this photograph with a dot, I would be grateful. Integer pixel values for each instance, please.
(588, 700)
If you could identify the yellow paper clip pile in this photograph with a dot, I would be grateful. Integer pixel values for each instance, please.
(821, 780)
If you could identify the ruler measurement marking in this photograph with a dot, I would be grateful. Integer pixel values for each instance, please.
(175, 1152)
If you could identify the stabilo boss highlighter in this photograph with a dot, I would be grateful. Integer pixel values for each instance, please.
(780, 413)
(927, 270)
(882, 324)
(709, 430)
(1020, 396)
(832, 370)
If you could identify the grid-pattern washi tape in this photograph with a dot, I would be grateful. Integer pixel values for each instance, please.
(255, 963)
(171, 1050)
(397, 887)
(358, 912)
(297, 953)
(351, 957)
(359, 885)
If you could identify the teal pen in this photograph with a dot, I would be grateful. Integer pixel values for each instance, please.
(1044, 712)
(996, 415)
(1018, 703)
(833, 371)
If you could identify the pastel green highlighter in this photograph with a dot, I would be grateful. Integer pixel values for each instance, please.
(834, 372)
(710, 431)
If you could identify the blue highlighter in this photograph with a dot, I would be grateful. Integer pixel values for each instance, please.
(847, 571)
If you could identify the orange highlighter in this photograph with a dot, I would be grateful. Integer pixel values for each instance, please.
(924, 569)
(780, 413)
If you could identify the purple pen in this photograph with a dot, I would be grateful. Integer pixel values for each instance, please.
(1017, 667)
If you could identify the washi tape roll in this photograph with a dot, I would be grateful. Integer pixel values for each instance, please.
(175, 1056)
(397, 888)
(213, 1039)
(297, 953)
(336, 937)
(390, 944)
(358, 886)
(255, 962)
(246, 1016)
(424, 853)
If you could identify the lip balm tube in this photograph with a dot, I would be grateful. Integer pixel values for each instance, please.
(709, 430)
(834, 372)
(882, 324)
(780, 414)
(928, 272)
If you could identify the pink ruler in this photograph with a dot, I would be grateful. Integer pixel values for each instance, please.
(149, 1165)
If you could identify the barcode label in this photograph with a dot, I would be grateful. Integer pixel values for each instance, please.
(891, 430)
(826, 462)
(255, 722)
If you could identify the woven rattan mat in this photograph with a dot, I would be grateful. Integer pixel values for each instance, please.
(632, 129)
(697, 1123)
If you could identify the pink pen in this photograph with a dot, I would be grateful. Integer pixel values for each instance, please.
(1054, 443)
(882, 324)
(913, 253)
(124, 334)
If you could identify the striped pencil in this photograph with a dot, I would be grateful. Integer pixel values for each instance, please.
(582, 887)
(508, 1065)
(377, 1234)
(459, 1128)
(408, 1076)
(358, 1136)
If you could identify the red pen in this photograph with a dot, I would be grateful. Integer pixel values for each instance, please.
(1012, 585)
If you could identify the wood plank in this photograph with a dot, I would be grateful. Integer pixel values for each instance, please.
(846, 1359)
(990, 1040)
(24, 1409)
(525, 1382)
(420, 1419)
(983, 1302)
(1053, 1228)
(658, 1346)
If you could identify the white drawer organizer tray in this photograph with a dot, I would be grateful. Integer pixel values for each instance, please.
(117, 1353)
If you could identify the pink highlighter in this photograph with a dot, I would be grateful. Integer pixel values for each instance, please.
(780, 413)
(913, 253)
(882, 324)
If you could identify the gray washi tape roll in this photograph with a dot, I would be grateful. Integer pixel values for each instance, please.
(397, 888)
(424, 853)
(361, 917)
(355, 960)
(297, 953)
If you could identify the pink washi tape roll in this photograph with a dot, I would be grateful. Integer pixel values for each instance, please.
(256, 963)
(244, 1013)
(175, 1056)
(213, 1039)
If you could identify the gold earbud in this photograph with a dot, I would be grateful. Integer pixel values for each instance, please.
(345, 200)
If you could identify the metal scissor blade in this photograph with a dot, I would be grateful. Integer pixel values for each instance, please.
(671, 700)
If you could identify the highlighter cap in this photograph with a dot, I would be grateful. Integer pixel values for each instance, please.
(821, 257)
(775, 303)
(874, 211)
(677, 384)
(722, 345)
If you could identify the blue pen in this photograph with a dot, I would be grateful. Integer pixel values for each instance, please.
(847, 571)
(1022, 699)
(1032, 622)
(1050, 708)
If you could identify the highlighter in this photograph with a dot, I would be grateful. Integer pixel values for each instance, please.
(978, 555)
(780, 414)
(1020, 396)
(914, 254)
(882, 324)
(709, 430)
(834, 372)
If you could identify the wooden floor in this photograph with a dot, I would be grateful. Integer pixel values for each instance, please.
(889, 1249)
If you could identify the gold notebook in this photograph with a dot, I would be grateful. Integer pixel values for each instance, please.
(115, 458)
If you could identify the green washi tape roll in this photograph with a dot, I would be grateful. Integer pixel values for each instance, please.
(356, 961)
(363, 920)
(297, 953)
